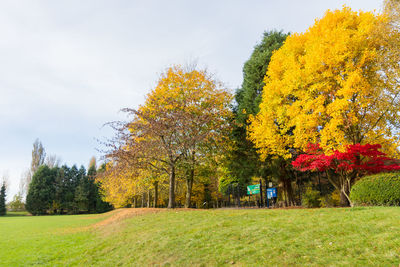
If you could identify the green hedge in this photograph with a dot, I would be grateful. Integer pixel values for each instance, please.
(381, 189)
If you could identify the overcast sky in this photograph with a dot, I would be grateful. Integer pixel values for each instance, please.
(67, 67)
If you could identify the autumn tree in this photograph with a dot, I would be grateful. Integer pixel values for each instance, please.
(343, 168)
(330, 86)
(186, 112)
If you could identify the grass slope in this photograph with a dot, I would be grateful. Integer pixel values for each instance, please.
(358, 236)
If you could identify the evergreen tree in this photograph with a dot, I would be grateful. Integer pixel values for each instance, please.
(81, 191)
(41, 191)
(100, 205)
(244, 162)
(82, 195)
(71, 182)
(3, 209)
(93, 190)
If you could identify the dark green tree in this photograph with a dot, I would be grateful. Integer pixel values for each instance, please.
(92, 196)
(3, 209)
(82, 195)
(243, 161)
(96, 197)
(41, 191)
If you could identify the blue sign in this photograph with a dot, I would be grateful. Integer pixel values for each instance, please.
(272, 192)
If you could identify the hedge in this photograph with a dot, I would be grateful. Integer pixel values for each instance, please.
(381, 189)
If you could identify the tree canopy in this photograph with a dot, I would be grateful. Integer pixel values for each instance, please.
(184, 118)
(330, 85)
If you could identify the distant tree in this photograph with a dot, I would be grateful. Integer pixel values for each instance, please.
(17, 204)
(38, 158)
(82, 195)
(3, 209)
(95, 200)
(52, 161)
(41, 192)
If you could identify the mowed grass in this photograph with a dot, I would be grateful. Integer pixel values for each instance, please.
(357, 237)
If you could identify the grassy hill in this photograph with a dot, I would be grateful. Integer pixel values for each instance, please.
(137, 237)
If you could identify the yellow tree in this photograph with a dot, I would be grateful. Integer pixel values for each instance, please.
(330, 85)
(135, 166)
(327, 85)
(187, 111)
(119, 184)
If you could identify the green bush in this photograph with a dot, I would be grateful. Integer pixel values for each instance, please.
(381, 189)
(311, 198)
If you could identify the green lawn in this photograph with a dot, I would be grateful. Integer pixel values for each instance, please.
(359, 236)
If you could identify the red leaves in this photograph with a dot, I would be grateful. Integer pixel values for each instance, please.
(361, 158)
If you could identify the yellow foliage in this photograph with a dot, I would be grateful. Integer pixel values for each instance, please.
(330, 85)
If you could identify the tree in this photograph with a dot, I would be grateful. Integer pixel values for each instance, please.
(52, 161)
(38, 158)
(41, 191)
(244, 161)
(17, 204)
(95, 196)
(3, 209)
(186, 112)
(328, 85)
(344, 168)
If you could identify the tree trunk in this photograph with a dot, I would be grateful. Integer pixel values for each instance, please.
(171, 201)
(155, 194)
(134, 201)
(143, 199)
(189, 186)
(148, 198)
(344, 201)
(287, 185)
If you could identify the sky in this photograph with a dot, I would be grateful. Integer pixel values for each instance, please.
(68, 67)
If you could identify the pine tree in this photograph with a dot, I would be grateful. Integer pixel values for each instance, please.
(41, 192)
(3, 209)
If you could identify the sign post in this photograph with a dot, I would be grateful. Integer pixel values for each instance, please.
(261, 195)
(266, 193)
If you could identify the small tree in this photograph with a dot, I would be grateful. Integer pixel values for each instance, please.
(344, 168)
(3, 209)
(16, 204)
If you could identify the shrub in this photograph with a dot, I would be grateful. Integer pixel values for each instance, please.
(331, 200)
(381, 189)
(311, 198)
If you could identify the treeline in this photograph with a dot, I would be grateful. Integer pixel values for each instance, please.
(333, 87)
(65, 190)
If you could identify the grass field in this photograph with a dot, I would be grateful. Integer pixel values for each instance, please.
(137, 237)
